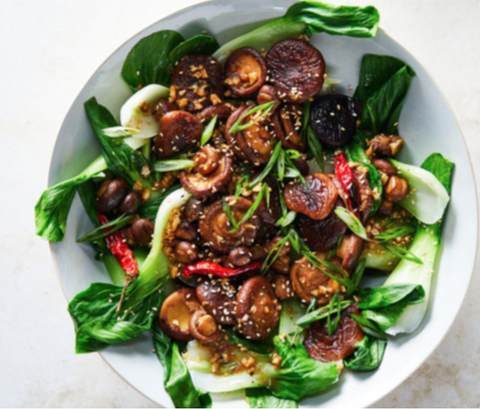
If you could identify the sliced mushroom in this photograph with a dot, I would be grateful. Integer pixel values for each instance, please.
(316, 199)
(297, 69)
(176, 311)
(397, 189)
(350, 250)
(287, 123)
(333, 119)
(161, 107)
(215, 226)
(321, 235)
(253, 143)
(364, 194)
(385, 209)
(308, 281)
(204, 329)
(202, 185)
(341, 344)
(282, 286)
(257, 308)
(186, 231)
(219, 298)
(197, 82)
(178, 130)
(110, 195)
(269, 215)
(384, 145)
(245, 71)
(268, 93)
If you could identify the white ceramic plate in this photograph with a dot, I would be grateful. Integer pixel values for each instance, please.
(427, 124)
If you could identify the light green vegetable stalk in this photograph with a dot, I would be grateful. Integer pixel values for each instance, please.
(93, 310)
(307, 17)
(425, 245)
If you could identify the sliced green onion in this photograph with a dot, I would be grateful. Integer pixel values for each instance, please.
(228, 212)
(293, 154)
(277, 248)
(395, 232)
(401, 252)
(284, 221)
(172, 164)
(120, 131)
(316, 148)
(263, 192)
(98, 233)
(267, 107)
(208, 131)
(352, 222)
(281, 165)
(321, 313)
(268, 167)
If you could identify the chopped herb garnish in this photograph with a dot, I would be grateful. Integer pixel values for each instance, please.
(208, 131)
(266, 108)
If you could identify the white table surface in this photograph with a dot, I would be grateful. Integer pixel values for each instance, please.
(48, 50)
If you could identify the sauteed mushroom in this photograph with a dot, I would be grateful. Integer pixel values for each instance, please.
(161, 107)
(218, 297)
(204, 328)
(223, 111)
(210, 175)
(341, 344)
(257, 308)
(316, 200)
(176, 311)
(197, 82)
(384, 145)
(268, 93)
(287, 123)
(397, 189)
(350, 250)
(215, 227)
(364, 194)
(110, 195)
(178, 130)
(245, 71)
(308, 281)
(297, 69)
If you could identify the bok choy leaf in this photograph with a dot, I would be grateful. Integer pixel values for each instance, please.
(93, 310)
(368, 354)
(51, 210)
(263, 398)
(426, 245)
(199, 44)
(177, 380)
(307, 17)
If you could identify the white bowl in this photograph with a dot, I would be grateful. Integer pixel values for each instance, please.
(427, 124)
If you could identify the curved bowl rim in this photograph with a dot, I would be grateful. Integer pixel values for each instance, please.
(447, 328)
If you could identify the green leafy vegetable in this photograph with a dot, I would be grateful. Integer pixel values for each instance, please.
(352, 221)
(307, 17)
(121, 159)
(148, 61)
(428, 198)
(263, 398)
(199, 44)
(268, 167)
(93, 310)
(177, 380)
(150, 208)
(51, 210)
(208, 131)
(169, 165)
(253, 346)
(368, 354)
(238, 126)
(115, 225)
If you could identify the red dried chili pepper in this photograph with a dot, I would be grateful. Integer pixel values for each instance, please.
(118, 247)
(209, 267)
(345, 176)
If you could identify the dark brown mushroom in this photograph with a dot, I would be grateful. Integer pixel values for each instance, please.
(341, 344)
(364, 194)
(269, 215)
(193, 209)
(308, 281)
(197, 82)
(296, 68)
(385, 167)
(282, 263)
(206, 160)
(287, 123)
(282, 286)
(385, 209)
(205, 330)
(161, 107)
(253, 143)
(110, 195)
(142, 232)
(215, 226)
(350, 250)
(302, 166)
(186, 231)
(321, 235)
(316, 199)
(201, 185)
(219, 298)
(384, 145)
(186, 252)
(178, 130)
(333, 119)
(222, 111)
(397, 189)
(257, 308)
(268, 93)
(176, 311)
(131, 203)
(245, 71)
(239, 257)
